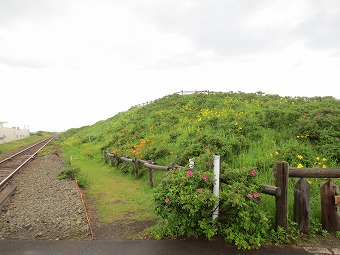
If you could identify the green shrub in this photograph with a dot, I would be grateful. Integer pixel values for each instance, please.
(73, 173)
(82, 181)
(242, 221)
(185, 202)
(337, 234)
(69, 173)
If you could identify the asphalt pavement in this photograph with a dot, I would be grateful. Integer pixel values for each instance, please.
(138, 247)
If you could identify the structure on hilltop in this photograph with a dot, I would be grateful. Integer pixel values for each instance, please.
(13, 133)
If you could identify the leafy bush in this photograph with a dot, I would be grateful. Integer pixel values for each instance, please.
(68, 173)
(73, 173)
(337, 234)
(185, 202)
(242, 220)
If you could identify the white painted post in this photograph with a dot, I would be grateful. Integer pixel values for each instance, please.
(216, 190)
(191, 163)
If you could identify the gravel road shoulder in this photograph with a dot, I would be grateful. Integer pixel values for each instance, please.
(44, 207)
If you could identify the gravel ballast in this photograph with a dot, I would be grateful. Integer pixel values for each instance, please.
(44, 207)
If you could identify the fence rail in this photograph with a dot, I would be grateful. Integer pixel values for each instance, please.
(329, 192)
(182, 92)
(109, 157)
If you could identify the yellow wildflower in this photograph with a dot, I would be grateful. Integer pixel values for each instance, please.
(300, 166)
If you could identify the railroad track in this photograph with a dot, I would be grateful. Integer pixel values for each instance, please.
(12, 165)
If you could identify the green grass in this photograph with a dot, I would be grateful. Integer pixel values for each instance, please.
(21, 143)
(115, 195)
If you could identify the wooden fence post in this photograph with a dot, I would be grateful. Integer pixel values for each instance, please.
(329, 210)
(104, 154)
(151, 179)
(302, 204)
(281, 173)
(136, 167)
(337, 200)
(117, 158)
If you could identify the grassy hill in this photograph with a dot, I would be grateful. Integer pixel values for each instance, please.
(247, 130)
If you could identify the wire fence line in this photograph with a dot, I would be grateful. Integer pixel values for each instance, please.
(182, 92)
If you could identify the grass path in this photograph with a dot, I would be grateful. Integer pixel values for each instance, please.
(117, 196)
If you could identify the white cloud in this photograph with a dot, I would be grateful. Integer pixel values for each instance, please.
(14, 13)
(79, 62)
(242, 27)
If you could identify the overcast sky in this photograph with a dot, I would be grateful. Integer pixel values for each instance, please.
(70, 63)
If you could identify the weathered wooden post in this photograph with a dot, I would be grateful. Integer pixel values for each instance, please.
(104, 154)
(281, 174)
(329, 209)
(117, 158)
(337, 200)
(110, 156)
(151, 178)
(302, 204)
(136, 167)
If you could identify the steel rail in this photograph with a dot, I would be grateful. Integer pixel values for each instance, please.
(4, 182)
(2, 161)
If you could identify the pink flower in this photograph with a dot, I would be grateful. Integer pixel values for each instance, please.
(200, 190)
(164, 179)
(207, 150)
(205, 177)
(250, 195)
(256, 195)
(253, 172)
(167, 200)
(190, 172)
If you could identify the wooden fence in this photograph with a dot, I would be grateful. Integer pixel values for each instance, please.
(182, 92)
(136, 163)
(330, 198)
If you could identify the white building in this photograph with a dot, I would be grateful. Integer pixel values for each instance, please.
(11, 134)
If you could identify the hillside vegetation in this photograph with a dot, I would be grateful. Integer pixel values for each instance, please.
(250, 132)
(245, 129)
